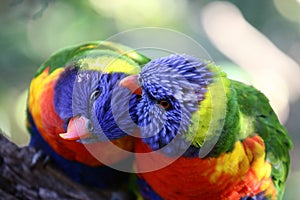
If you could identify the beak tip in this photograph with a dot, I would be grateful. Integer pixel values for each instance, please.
(130, 82)
(76, 129)
(68, 136)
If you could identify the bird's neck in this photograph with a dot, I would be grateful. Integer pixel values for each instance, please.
(214, 126)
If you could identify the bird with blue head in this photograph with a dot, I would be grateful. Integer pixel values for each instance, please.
(78, 114)
(216, 138)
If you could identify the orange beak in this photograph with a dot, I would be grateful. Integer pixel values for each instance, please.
(77, 129)
(131, 83)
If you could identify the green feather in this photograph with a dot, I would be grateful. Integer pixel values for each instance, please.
(255, 108)
(214, 125)
(233, 111)
(74, 53)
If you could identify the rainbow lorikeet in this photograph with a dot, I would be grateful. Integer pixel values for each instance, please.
(206, 136)
(76, 108)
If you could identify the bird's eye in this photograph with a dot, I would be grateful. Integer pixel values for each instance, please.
(95, 94)
(164, 103)
(89, 125)
(140, 80)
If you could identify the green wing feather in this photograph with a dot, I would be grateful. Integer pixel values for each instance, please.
(259, 118)
(247, 112)
(65, 55)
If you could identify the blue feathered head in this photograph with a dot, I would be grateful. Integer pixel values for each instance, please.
(172, 89)
(94, 104)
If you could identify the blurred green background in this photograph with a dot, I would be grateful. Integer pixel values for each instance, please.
(255, 41)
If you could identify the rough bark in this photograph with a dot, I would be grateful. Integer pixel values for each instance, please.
(19, 180)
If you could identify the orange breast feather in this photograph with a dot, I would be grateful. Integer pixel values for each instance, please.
(242, 172)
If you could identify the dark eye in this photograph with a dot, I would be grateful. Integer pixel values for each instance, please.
(95, 94)
(164, 103)
(139, 98)
(89, 125)
(140, 80)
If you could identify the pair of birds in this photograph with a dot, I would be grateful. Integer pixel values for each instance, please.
(201, 135)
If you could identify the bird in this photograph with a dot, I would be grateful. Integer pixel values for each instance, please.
(77, 114)
(205, 136)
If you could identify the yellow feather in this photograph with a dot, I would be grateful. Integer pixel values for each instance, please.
(108, 64)
(209, 119)
(36, 89)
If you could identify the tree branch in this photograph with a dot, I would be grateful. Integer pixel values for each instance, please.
(18, 180)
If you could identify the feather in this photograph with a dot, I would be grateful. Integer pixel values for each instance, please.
(216, 139)
(74, 93)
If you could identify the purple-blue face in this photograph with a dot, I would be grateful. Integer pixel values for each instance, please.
(106, 110)
(172, 88)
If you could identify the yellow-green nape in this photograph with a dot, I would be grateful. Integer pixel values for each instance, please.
(109, 62)
(207, 122)
(70, 54)
(124, 51)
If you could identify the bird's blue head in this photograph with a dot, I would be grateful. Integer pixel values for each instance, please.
(172, 88)
(93, 105)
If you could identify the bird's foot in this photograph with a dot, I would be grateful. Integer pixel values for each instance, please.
(39, 157)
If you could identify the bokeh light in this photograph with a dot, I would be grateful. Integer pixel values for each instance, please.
(20, 114)
(289, 9)
(132, 13)
(246, 46)
(5, 123)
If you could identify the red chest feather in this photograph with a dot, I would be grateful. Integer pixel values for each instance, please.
(242, 172)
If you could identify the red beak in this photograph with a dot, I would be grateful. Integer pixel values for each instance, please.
(77, 128)
(131, 83)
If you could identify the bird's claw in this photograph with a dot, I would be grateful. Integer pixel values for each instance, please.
(41, 157)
